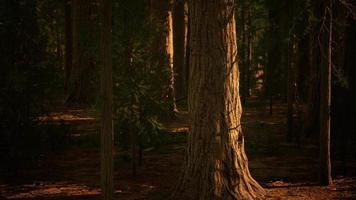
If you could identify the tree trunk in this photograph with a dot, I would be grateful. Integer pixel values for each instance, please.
(179, 49)
(161, 14)
(75, 51)
(83, 60)
(58, 40)
(325, 99)
(292, 89)
(75, 77)
(244, 40)
(68, 43)
(249, 53)
(311, 119)
(107, 102)
(216, 165)
(187, 46)
(170, 53)
(272, 59)
(133, 140)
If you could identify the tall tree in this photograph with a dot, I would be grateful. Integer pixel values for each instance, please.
(161, 15)
(291, 66)
(216, 165)
(312, 114)
(82, 74)
(107, 101)
(243, 52)
(68, 42)
(274, 52)
(187, 45)
(325, 95)
(249, 51)
(179, 31)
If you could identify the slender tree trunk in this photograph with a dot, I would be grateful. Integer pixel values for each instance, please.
(325, 100)
(179, 46)
(274, 52)
(244, 40)
(270, 85)
(68, 43)
(187, 46)
(249, 53)
(216, 165)
(58, 41)
(290, 102)
(75, 49)
(290, 71)
(133, 139)
(291, 92)
(75, 81)
(107, 102)
(170, 53)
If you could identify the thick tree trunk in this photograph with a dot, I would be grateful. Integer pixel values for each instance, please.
(179, 49)
(325, 99)
(216, 165)
(161, 15)
(107, 102)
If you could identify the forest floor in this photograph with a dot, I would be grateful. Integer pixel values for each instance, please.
(286, 170)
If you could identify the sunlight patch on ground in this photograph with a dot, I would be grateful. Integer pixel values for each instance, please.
(65, 117)
(52, 190)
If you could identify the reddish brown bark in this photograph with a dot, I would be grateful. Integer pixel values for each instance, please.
(216, 165)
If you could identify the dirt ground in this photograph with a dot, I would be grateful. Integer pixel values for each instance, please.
(287, 171)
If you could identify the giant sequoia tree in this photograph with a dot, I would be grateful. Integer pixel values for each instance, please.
(216, 165)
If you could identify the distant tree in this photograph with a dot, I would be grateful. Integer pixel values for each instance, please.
(107, 101)
(245, 49)
(325, 93)
(81, 77)
(216, 165)
(274, 51)
(312, 114)
(162, 47)
(68, 43)
(291, 68)
(179, 32)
